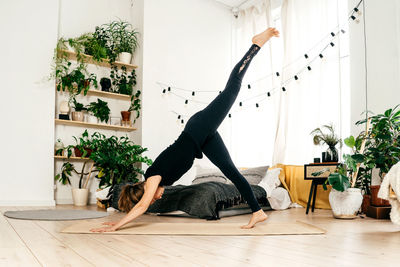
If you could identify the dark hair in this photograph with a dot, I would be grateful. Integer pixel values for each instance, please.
(130, 195)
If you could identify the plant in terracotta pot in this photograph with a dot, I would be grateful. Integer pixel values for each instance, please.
(79, 108)
(383, 146)
(100, 110)
(83, 147)
(134, 106)
(326, 135)
(122, 81)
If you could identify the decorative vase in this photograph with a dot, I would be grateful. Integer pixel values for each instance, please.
(375, 200)
(333, 154)
(124, 57)
(105, 84)
(77, 116)
(64, 107)
(345, 205)
(80, 196)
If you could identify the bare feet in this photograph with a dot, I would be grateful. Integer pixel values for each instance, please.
(262, 38)
(258, 216)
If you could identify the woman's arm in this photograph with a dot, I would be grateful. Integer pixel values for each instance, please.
(150, 188)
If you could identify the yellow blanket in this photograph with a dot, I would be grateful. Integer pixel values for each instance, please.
(292, 178)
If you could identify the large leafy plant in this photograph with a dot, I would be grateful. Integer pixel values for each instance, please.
(383, 140)
(122, 81)
(124, 36)
(135, 104)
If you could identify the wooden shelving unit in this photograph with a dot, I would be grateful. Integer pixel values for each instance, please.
(71, 158)
(108, 94)
(94, 125)
(89, 59)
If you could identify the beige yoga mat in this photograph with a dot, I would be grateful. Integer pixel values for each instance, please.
(206, 228)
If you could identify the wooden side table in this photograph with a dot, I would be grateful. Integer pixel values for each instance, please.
(316, 180)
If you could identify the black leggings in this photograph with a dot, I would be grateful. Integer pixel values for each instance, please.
(203, 125)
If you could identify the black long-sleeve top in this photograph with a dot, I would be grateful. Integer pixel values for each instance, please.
(175, 160)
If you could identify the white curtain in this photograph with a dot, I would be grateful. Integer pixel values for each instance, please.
(251, 135)
(314, 99)
(279, 130)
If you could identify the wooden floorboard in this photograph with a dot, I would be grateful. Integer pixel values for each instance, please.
(359, 242)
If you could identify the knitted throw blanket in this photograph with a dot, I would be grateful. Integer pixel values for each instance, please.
(203, 200)
(392, 178)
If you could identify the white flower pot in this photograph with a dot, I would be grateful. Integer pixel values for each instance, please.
(345, 205)
(80, 196)
(125, 57)
(102, 122)
(91, 119)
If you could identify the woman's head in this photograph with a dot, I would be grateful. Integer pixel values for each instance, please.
(130, 195)
(133, 193)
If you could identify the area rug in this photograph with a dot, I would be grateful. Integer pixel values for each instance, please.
(55, 215)
(206, 228)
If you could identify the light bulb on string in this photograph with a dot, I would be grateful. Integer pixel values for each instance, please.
(305, 55)
(343, 31)
(219, 92)
(179, 117)
(169, 89)
(321, 56)
(248, 86)
(296, 77)
(268, 94)
(353, 17)
(309, 68)
(182, 121)
(163, 91)
(355, 9)
(240, 104)
(257, 105)
(332, 44)
(230, 116)
(277, 74)
(333, 34)
(193, 93)
(283, 89)
(186, 101)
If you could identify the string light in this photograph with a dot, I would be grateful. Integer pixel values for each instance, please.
(230, 116)
(353, 17)
(182, 121)
(283, 89)
(332, 44)
(333, 34)
(309, 68)
(179, 117)
(296, 77)
(257, 105)
(320, 55)
(186, 101)
(193, 93)
(277, 74)
(219, 92)
(169, 89)
(240, 104)
(164, 91)
(305, 55)
(248, 86)
(343, 31)
(268, 94)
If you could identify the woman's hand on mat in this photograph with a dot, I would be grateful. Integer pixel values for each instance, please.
(110, 223)
(103, 229)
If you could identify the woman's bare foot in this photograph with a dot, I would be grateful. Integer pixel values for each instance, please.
(262, 38)
(258, 216)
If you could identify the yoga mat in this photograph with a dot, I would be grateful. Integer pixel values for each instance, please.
(206, 228)
(55, 215)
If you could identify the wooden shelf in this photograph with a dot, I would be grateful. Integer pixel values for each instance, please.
(108, 94)
(95, 125)
(71, 158)
(89, 59)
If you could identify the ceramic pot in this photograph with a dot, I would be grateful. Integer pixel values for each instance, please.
(91, 119)
(375, 200)
(79, 154)
(105, 84)
(80, 196)
(125, 57)
(77, 116)
(333, 154)
(345, 205)
(126, 115)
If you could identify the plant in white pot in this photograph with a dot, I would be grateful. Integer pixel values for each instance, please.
(124, 40)
(78, 113)
(100, 110)
(346, 196)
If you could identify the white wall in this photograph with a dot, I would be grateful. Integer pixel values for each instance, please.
(383, 55)
(29, 35)
(187, 44)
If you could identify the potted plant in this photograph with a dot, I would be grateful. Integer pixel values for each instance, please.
(134, 106)
(59, 148)
(75, 82)
(83, 147)
(330, 139)
(100, 110)
(383, 146)
(79, 108)
(124, 40)
(117, 159)
(122, 81)
(105, 84)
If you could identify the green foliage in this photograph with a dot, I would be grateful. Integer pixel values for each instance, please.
(124, 36)
(78, 106)
(95, 48)
(117, 159)
(135, 105)
(339, 181)
(330, 138)
(122, 81)
(100, 109)
(66, 172)
(383, 140)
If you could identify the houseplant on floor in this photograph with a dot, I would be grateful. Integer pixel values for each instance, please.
(100, 110)
(330, 139)
(383, 146)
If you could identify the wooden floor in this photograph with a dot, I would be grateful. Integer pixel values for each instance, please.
(359, 242)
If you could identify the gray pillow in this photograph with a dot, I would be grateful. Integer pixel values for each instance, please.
(252, 175)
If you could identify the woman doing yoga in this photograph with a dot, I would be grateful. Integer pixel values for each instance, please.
(199, 136)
